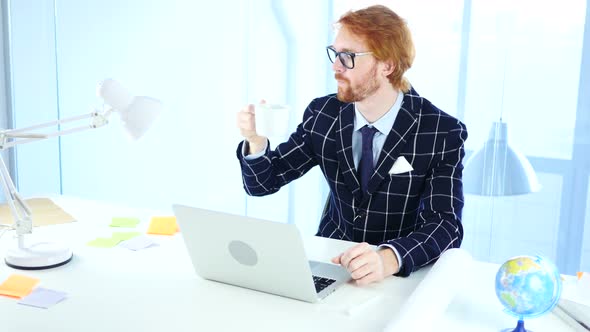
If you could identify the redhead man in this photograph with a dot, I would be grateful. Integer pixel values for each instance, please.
(392, 160)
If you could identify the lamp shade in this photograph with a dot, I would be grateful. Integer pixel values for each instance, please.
(137, 113)
(140, 115)
(497, 169)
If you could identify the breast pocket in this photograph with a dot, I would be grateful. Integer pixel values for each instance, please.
(409, 183)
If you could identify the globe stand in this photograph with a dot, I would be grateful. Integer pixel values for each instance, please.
(519, 327)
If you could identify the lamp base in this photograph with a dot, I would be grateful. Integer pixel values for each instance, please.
(39, 256)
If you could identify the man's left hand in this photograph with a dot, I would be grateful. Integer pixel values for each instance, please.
(367, 265)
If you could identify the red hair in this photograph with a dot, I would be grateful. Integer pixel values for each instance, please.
(387, 36)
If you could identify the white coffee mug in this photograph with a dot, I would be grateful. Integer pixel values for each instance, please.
(272, 120)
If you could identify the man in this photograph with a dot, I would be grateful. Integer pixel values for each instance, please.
(392, 160)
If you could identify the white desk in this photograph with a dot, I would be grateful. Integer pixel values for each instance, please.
(157, 290)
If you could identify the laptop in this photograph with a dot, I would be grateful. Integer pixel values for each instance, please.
(257, 254)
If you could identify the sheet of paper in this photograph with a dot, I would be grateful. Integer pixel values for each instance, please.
(44, 212)
(138, 243)
(129, 222)
(43, 298)
(573, 313)
(434, 293)
(163, 225)
(102, 242)
(18, 285)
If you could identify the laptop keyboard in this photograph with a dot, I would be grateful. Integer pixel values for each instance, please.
(321, 283)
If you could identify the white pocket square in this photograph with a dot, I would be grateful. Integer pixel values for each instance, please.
(401, 165)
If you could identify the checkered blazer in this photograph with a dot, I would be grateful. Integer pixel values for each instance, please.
(417, 212)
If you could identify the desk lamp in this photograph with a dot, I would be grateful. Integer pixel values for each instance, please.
(137, 114)
(499, 170)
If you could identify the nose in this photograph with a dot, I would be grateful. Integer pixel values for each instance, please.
(337, 66)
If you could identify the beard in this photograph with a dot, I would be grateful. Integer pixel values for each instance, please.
(350, 94)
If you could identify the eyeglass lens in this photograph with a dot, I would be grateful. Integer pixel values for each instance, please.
(345, 58)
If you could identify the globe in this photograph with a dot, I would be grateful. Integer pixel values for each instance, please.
(527, 287)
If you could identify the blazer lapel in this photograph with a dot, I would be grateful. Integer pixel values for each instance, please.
(344, 145)
(404, 125)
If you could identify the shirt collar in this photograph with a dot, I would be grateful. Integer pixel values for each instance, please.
(385, 123)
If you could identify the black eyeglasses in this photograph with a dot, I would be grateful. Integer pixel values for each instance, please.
(346, 58)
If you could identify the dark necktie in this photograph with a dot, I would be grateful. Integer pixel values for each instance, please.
(366, 167)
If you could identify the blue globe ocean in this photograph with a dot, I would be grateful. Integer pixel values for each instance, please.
(528, 286)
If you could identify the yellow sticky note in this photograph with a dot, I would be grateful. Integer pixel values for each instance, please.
(163, 226)
(18, 286)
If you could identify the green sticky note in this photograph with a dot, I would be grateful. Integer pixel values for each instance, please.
(104, 242)
(124, 222)
(124, 236)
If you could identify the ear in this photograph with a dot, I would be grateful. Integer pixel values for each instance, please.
(387, 68)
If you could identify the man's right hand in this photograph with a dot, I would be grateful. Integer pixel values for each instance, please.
(245, 120)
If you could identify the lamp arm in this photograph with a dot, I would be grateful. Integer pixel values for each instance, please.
(13, 137)
(18, 207)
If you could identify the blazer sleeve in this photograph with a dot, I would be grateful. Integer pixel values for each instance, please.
(290, 160)
(439, 220)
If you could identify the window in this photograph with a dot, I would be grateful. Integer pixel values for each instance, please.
(480, 61)
(202, 66)
(522, 67)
